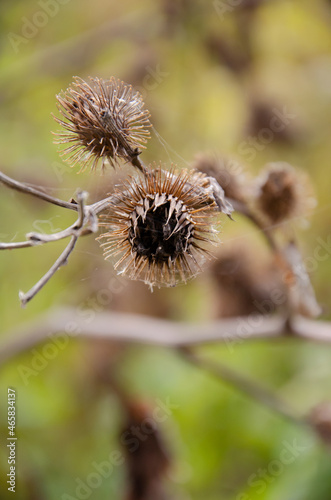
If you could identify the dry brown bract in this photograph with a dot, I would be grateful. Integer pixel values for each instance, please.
(160, 227)
(104, 121)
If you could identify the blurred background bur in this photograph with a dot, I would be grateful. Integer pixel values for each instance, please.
(249, 83)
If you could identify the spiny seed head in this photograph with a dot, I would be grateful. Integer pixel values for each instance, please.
(104, 120)
(160, 226)
(283, 192)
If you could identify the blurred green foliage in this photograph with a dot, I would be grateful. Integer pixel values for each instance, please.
(205, 75)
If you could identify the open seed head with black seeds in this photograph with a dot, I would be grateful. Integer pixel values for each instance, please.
(104, 121)
(160, 227)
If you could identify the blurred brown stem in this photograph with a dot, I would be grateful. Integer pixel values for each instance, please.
(140, 329)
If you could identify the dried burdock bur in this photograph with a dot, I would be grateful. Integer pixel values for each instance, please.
(283, 192)
(146, 456)
(160, 226)
(105, 121)
(227, 172)
(320, 419)
(245, 286)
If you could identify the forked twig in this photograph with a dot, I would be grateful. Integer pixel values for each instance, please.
(74, 231)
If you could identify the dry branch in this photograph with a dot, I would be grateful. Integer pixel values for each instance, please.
(24, 188)
(142, 329)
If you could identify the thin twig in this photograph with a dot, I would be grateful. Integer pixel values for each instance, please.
(24, 188)
(62, 260)
(137, 162)
(248, 387)
(18, 244)
(89, 213)
(39, 238)
(34, 239)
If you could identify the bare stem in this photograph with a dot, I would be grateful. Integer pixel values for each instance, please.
(34, 239)
(74, 231)
(242, 383)
(61, 261)
(24, 188)
(119, 327)
(138, 163)
(18, 244)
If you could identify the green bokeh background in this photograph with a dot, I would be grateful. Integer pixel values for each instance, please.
(218, 437)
